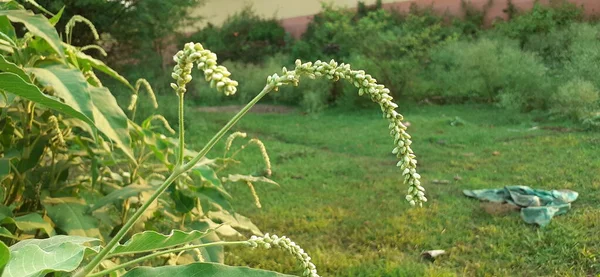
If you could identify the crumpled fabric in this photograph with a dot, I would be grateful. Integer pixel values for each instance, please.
(537, 206)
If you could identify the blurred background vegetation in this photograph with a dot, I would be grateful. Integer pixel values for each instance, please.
(544, 59)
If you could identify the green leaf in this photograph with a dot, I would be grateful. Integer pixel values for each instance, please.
(32, 222)
(151, 240)
(88, 61)
(7, 28)
(50, 244)
(7, 234)
(183, 203)
(4, 167)
(120, 194)
(70, 216)
(111, 120)
(7, 66)
(4, 255)
(39, 26)
(68, 84)
(14, 84)
(53, 20)
(236, 221)
(5, 212)
(37, 257)
(202, 269)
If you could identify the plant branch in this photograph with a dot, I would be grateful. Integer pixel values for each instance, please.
(179, 169)
(181, 131)
(226, 128)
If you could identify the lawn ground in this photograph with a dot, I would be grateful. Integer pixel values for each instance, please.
(341, 196)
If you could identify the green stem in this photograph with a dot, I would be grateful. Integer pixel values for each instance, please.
(179, 169)
(226, 128)
(127, 226)
(181, 131)
(160, 253)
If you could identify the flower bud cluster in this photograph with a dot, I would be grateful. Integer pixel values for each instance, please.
(268, 241)
(144, 82)
(53, 121)
(366, 84)
(232, 137)
(265, 155)
(217, 75)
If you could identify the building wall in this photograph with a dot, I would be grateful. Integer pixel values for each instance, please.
(295, 15)
(216, 11)
(297, 25)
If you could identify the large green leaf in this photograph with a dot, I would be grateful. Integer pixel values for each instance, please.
(32, 222)
(202, 269)
(151, 240)
(120, 194)
(111, 120)
(38, 25)
(7, 28)
(70, 216)
(16, 85)
(7, 66)
(37, 257)
(67, 83)
(88, 62)
(4, 255)
(6, 233)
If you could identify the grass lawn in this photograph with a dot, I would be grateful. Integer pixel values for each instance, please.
(341, 196)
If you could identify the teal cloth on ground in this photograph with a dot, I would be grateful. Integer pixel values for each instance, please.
(537, 206)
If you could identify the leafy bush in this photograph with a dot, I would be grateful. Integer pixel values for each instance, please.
(486, 70)
(542, 19)
(577, 99)
(244, 37)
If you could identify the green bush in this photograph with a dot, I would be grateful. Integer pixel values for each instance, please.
(244, 37)
(542, 19)
(577, 99)
(486, 71)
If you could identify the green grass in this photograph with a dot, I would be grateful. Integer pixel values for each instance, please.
(342, 200)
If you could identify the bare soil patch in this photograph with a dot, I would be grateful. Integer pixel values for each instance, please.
(258, 108)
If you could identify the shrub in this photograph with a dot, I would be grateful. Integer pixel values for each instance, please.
(486, 71)
(244, 37)
(577, 99)
(542, 19)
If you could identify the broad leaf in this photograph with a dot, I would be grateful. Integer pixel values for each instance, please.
(88, 62)
(32, 222)
(37, 257)
(68, 84)
(202, 269)
(70, 216)
(4, 255)
(50, 244)
(183, 202)
(111, 120)
(39, 26)
(5, 212)
(236, 221)
(7, 66)
(7, 30)
(7, 234)
(151, 240)
(120, 194)
(4, 167)
(16, 85)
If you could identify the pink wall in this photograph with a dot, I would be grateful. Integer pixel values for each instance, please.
(296, 26)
